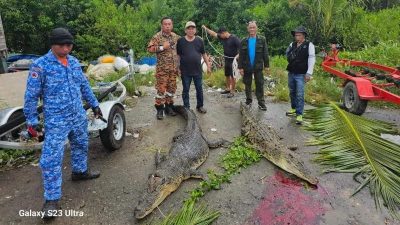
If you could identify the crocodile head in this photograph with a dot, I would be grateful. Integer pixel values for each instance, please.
(159, 187)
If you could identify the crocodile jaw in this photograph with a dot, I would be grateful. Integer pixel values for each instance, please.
(297, 169)
(153, 200)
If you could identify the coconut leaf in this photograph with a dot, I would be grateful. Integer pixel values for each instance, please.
(352, 144)
(191, 215)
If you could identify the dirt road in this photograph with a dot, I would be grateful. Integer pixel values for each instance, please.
(260, 194)
(12, 88)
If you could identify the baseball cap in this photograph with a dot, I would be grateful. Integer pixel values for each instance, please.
(190, 24)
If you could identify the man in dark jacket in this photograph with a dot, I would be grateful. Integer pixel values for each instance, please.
(301, 58)
(253, 59)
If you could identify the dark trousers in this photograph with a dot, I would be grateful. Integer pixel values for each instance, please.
(259, 81)
(198, 84)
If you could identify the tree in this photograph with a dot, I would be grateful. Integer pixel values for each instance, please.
(28, 23)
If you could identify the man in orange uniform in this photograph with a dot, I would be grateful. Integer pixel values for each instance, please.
(163, 44)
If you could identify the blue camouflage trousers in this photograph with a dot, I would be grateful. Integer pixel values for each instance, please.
(51, 159)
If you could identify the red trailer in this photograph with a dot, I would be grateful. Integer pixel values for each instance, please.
(370, 83)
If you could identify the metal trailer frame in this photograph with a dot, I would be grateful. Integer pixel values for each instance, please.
(358, 87)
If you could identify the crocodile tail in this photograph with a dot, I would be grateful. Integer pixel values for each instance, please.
(181, 110)
(188, 114)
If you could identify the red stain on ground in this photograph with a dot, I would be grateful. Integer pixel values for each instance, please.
(288, 202)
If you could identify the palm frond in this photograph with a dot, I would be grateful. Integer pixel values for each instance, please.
(189, 214)
(352, 144)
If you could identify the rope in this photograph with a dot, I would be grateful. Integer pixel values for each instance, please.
(236, 73)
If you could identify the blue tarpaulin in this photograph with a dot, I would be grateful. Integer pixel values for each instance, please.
(151, 61)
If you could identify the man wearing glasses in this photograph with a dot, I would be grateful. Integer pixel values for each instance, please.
(57, 79)
(301, 57)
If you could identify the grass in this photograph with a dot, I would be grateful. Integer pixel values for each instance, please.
(10, 158)
(385, 53)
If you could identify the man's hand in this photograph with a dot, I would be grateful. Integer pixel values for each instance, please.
(209, 70)
(307, 77)
(34, 130)
(97, 112)
(204, 27)
(166, 45)
(241, 71)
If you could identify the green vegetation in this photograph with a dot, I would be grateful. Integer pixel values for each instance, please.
(353, 144)
(191, 215)
(385, 53)
(11, 157)
(100, 26)
(240, 155)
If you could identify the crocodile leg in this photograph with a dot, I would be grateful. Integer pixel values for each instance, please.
(217, 143)
(196, 174)
(178, 134)
(159, 157)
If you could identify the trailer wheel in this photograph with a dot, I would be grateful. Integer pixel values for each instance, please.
(13, 135)
(351, 100)
(113, 136)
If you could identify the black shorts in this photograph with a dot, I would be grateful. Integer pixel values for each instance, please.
(228, 67)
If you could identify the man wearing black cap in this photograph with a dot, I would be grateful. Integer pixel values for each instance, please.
(57, 79)
(301, 57)
(231, 45)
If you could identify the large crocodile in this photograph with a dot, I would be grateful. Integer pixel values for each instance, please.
(267, 142)
(188, 151)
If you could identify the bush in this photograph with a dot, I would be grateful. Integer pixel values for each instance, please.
(385, 53)
(370, 28)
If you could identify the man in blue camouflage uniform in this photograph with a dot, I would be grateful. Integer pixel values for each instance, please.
(58, 80)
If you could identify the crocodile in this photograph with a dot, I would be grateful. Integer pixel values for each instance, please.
(267, 142)
(188, 151)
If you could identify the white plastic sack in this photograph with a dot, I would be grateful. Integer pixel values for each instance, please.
(121, 64)
(99, 71)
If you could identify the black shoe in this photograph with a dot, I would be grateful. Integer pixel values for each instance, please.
(225, 92)
(160, 111)
(50, 208)
(88, 175)
(248, 101)
(169, 109)
(202, 110)
(262, 107)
